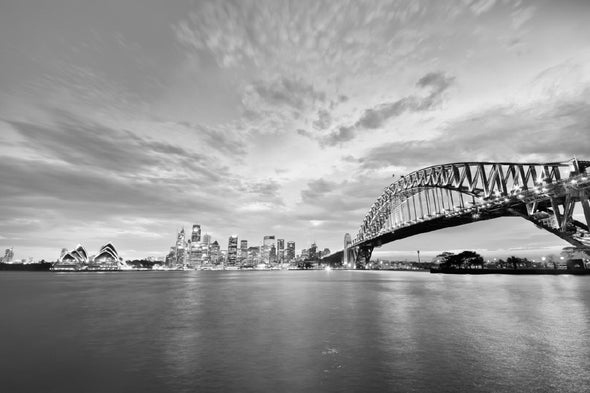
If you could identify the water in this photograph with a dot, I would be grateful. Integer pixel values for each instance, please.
(293, 331)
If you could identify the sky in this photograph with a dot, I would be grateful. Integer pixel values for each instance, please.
(126, 120)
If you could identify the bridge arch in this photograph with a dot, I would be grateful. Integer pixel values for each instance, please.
(453, 194)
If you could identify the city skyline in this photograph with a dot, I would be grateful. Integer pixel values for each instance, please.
(120, 121)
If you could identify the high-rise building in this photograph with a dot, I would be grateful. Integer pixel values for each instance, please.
(180, 238)
(8, 255)
(214, 253)
(243, 250)
(179, 253)
(267, 243)
(313, 251)
(195, 254)
(280, 250)
(195, 247)
(304, 254)
(290, 251)
(272, 255)
(196, 234)
(206, 248)
(253, 255)
(171, 258)
(232, 250)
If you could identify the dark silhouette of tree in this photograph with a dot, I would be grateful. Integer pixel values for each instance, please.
(516, 262)
(470, 259)
(463, 259)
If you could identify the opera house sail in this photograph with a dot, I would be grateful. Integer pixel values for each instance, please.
(107, 259)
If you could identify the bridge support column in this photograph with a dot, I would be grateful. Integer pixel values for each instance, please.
(585, 206)
(363, 256)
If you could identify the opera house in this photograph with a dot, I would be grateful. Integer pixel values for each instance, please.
(77, 259)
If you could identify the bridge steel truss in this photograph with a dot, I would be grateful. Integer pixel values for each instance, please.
(454, 194)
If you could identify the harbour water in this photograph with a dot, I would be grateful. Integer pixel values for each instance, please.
(295, 331)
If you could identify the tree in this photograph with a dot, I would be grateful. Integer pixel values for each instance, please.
(470, 258)
(445, 259)
(574, 253)
(516, 262)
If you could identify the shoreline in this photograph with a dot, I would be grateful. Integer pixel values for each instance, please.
(529, 271)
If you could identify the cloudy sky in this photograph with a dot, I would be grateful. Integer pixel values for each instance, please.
(125, 120)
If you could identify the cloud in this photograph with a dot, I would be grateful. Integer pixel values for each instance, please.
(261, 193)
(343, 134)
(522, 15)
(316, 188)
(278, 34)
(293, 93)
(338, 202)
(305, 133)
(435, 82)
(548, 131)
(217, 139)
(479, 7)
(77, 170)
(85, 143)
(323, 121)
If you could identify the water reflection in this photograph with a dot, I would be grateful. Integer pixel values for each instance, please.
(332, 331)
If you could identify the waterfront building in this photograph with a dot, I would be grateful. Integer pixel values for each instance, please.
(267, 243)
(232, 250)
(215, 253)
(195, 247)
(195, 254)
(171, 258)
(180, 252)
(253, 256)
(313, 251)
(196, 234)
(272, 254)
(280, 250)
(181, 249)
(76, 257)
(304, 254)
(107, 258)
(243, 250)
(290, 251)
(8, 255)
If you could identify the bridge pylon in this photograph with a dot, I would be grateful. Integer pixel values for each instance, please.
(349, 256)
(363, 256)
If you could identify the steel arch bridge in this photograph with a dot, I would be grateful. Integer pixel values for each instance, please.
(448, 195)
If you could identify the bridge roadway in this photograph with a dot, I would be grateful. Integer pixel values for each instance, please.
(435, 197)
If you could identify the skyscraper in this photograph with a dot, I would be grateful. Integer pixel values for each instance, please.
(243, 250)
(196, 234)
(180, 249)
(195, 256)
(8, 255)
(232, 250)
(280, 250)
(290, 251)
(272, 255)
(253, 255)
(267, 243)
(313, 251)
(215, 252)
